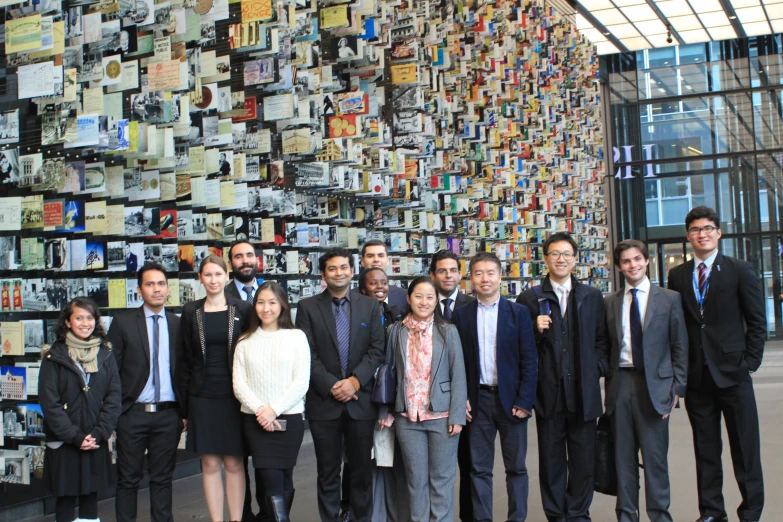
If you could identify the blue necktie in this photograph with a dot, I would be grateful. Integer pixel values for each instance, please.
(343, 332)
(447, 308)
(249, 292)
(637, 339)
(155, 352)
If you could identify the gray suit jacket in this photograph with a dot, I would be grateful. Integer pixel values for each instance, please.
(448, 386)
(665, 347)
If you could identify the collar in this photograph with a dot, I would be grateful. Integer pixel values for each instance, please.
(485, 306)
(644, 286)
(241, 286)
(347, 295)
(453, 296)
(709, 261)
(149, 313)
(556, 287)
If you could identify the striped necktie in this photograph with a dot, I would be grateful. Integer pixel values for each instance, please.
(343, 327)
(702, 280)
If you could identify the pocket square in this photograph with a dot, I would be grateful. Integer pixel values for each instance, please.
(364, 324)
(236, 318)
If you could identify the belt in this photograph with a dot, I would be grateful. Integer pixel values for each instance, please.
(489, 387)
(631, 369)
(152, 407)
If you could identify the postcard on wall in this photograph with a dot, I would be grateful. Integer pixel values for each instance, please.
(11, 213)
(23, 34)
(13, 383)
(11, 333)
(38, 79)
(279, 107)
(335, 16)
(258, 10)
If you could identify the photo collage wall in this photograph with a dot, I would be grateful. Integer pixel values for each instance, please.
(135, 130)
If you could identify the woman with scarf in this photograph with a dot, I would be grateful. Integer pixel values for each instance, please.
(80, 395)
(429, 411)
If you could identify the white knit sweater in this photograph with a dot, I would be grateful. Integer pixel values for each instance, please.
(272, 369)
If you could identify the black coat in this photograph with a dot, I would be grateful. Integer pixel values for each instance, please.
(730, 337)
(593, 347)
(194, 348)
(71, 409)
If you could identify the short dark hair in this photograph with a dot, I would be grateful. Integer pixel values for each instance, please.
(240, 242)
(702, 212)
(628, 244)
(61, 329)
(484, 256)
(440, 255)
(365, 273)
(148, 266)
(372, 243)
(334, 252)
(560, 236)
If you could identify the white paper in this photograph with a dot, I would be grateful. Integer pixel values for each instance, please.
(37, 80)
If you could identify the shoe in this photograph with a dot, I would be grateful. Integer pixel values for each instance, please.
(712, 519)
(277, 507)
(345, 515)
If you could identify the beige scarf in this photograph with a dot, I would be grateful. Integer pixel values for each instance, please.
(85, 352)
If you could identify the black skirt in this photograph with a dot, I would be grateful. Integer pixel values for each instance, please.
(215, 427)
(71, 472)
(274, 449)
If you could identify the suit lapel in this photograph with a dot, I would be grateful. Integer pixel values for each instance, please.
(715, 281)
(686, 283)
(652, 303)
(474, 328)
(325, 306)
(173, 343)
(355, 322)
(504, 309)
(617, 307)
(141, 322)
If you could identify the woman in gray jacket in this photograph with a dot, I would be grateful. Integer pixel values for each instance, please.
(429, 411)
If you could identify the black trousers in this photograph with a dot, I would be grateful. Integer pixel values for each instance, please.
(158, 434)
(566, 456)
(329, 439)
(65, 507)
(737, 405)
(247, 509)
(276, 482)
(463, 460)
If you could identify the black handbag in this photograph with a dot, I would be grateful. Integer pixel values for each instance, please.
(384, 391)
(605, 471)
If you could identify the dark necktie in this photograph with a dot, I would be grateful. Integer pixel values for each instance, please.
(637, 338)
(702, 280)
(155, 352)
(249, 291)
(447, 308)
(343, 327)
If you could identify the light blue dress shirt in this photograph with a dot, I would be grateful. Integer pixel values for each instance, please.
(241, 287)
(487, 328)
(164, 360)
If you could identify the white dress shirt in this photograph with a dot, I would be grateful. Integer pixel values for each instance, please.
(453, 298)
(487, 328)
(559, 289)
(642, 295)
(164, 360)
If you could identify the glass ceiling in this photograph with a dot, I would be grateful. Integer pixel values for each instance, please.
(632, 25)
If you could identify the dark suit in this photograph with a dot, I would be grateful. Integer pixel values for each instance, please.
(515, 361)
(463, 451)
(638, 398)
(131, 263)
(233, 292)
(158, 432)
(726, 344)
(333, 424)
(397, 298)
(573, 357)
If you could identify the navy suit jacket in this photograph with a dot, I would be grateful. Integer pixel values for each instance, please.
(516, 358)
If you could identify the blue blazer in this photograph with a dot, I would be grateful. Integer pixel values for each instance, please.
(517, 357)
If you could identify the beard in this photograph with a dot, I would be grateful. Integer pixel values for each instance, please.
(241, 277)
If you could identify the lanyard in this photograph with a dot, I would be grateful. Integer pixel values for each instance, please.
(699, 296)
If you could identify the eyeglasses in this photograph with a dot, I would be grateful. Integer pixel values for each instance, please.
(568, 256)
(695, 231)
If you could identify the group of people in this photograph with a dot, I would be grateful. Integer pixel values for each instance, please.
(238, 375)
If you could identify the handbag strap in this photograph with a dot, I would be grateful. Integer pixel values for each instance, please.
(543, 304)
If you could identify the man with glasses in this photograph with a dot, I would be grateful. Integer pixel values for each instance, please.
(724, 315)
(573, 356)
(445, 273)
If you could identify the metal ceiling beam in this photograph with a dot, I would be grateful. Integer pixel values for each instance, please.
(599, 26)
(665, 21)
(734, 19)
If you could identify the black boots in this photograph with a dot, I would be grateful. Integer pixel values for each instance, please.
(278, 508)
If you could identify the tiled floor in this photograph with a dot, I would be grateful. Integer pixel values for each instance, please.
(190, 505)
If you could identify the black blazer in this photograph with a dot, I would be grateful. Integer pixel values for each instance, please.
(194, 348)
(233, 292)
(131, 348)
(593, 348)
(460, 301)
(314, 316)
(731, 335)
(397, 298)
(515, 357)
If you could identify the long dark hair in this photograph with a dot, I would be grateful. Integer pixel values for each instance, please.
(61, 329)
(438, 319)
(284, 321)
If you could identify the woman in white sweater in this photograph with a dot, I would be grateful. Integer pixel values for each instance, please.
(271, 377)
